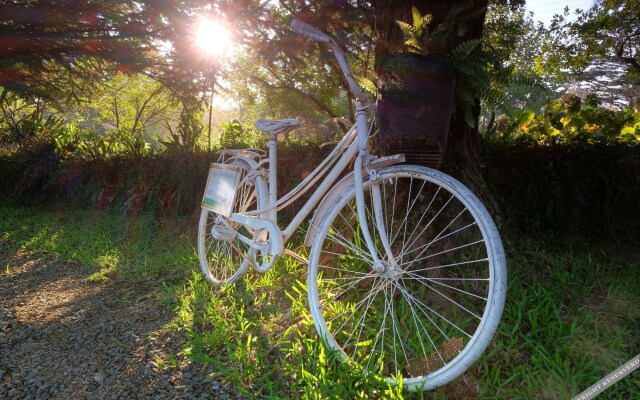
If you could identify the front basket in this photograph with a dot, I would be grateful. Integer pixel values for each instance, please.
(414, 106)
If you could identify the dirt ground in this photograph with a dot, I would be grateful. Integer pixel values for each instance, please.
(65, 338)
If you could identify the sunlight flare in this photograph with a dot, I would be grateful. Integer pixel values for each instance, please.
(213, 37)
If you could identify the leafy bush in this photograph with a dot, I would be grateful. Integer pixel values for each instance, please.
(24, 174)
(571, 119)
(550, 171)
(187, 133)
(87, 144)
(237, 136)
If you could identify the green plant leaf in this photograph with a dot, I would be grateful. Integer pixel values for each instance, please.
(525, 116)
(462, 29)
(407, 30)
(463, 50)
(417, 18)
(366, 84)
(415, 46)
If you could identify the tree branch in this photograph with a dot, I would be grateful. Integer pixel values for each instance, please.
(142, 108)
(319, 104)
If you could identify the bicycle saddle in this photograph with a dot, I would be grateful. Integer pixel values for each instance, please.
(266, 125)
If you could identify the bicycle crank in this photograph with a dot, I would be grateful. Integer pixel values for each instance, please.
(270, 245)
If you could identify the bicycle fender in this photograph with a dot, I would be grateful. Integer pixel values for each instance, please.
(239, 157)
(338, 189)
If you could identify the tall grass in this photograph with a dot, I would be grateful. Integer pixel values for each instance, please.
(572, 314)
(104, 244)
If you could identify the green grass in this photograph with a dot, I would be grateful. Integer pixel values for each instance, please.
(104, 243)
(572, 316)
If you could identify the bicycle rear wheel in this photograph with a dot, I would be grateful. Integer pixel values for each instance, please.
(433, 310)
(224, 258)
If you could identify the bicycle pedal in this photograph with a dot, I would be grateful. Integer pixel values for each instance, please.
(222, 232)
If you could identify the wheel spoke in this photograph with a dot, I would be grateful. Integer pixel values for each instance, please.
(348, 285)
(428, 309)
(355, 309)
(338, 238)
(438, 238)
(448, 265)
(424, 307)
(362, 325)
(343, 270)
(405, 220)
(396, 331)
(422, 279)
(381, 331)
(444, 251)
(409, 300)
(429, 225)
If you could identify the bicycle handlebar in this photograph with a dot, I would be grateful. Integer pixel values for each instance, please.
(309, 31)
(304, 29)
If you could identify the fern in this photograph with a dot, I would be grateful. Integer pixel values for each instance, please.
(417, 18)
(457, 9)
(453, 22)
(462, 29)
(472, 71)
(525, 81)
(413, 33)
(365, 83)
(477, 13)
(463, 50)
(414, 46)
(496, 100)
(407, 30)
(478, 75)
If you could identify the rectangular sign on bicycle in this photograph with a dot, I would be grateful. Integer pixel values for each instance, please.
(220, 192)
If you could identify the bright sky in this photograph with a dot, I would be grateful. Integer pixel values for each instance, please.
(544, 10)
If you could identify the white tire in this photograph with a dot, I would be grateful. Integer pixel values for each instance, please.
(435, 308)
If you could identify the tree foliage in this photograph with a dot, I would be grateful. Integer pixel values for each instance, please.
(611, 30)
(570, 120)
(62, 49)
(512, 39)
(133, 103)
(46, 45)
(185, 136)
(598, 52)
(64, 52)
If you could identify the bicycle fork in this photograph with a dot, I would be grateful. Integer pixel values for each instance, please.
(363, 136)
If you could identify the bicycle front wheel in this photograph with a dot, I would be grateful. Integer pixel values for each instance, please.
(224, 258)
(433, 309)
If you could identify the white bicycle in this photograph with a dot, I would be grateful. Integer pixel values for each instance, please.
(406, 272)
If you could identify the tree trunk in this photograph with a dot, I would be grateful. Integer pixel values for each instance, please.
(462, 159)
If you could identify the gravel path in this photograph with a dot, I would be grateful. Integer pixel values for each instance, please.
(64, 338)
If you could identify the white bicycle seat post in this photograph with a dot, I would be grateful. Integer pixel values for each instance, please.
(273, 177)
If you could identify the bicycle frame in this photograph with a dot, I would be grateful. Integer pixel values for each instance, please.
(356, 142)
(356, 149)
(352, 141)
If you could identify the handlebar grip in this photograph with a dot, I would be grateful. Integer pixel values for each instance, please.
(309, 31)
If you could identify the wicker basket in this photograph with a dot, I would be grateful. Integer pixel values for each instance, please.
(415, 102)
